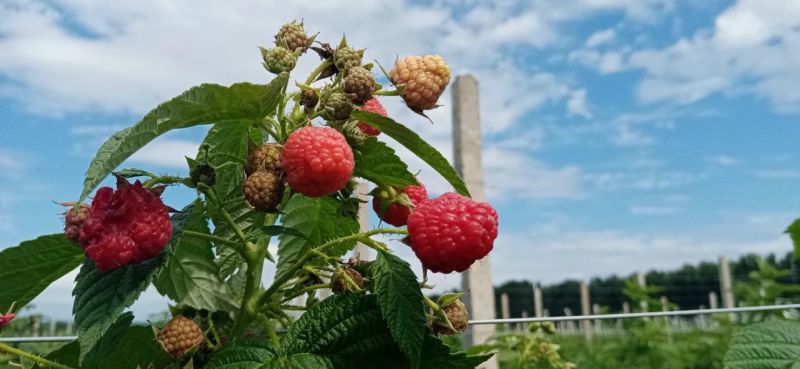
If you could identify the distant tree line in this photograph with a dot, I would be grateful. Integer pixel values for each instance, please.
(686, 287)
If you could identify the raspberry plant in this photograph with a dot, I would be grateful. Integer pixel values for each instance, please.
(278, 164)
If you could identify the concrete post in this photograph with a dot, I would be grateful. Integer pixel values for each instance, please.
(537, 302)
(505, 308)
(712, 300)
(586, 325)
(725, 283)
(477, 281)
(643, 283)
(626, 308)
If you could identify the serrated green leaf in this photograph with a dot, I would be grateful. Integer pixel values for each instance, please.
(125, 346)
(204, 104)
(64, 355)
(794, 233)
(320, 221)
(342, 325)
(276, 230)
(100, 297)
(309, 361)
(225, 149)
(191, 277)
(767, 345)
(26, 270)
(379, 164)
(416, 145)
(401, 303)
(244, 354)
(437, 355)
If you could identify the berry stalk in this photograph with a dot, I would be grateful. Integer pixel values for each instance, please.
(33, 357)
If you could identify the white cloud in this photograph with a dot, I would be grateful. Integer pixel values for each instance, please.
(166, 152)
(724, 160)
(640, 180)
(778, 174)
(753, 49)
(577, 105)
(515, 175)
(10, 164)
(604, 62)
(654, 209)
(601, 37)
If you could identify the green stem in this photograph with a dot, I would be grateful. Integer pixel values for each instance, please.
(285, 277)
(162, 180)
(254, 255)
(387, 93)
(314, 73)
(294, 294)
(434, 306)
(227, 216)
(212, 238)
(270, 329)
(38, 359)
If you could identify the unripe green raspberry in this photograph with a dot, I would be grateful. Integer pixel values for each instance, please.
(335, 106)
(279, 59)
(293, 36)
(358, 84)
(346, 57)
(309, 100)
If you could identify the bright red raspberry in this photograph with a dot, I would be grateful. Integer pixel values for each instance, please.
(394, 208)
(125, 226)
(451, 232)
(373, 106)
(317, 161)
(6, 318)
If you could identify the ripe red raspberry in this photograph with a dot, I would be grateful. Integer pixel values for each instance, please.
(180, 336)
(6, 318)
(425, 78)
(451, 232)
(129, 225)
(317, 161)
(373, 106)
(393, 207)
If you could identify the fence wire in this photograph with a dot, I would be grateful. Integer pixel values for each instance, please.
(742, 309)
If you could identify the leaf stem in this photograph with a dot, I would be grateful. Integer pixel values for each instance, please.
(225, 215)
(212, 238)
(316, 72)
(387, 93)
(285, 277)
(38, 359)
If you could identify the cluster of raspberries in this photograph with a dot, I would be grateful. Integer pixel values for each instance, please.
(124, 226)
(264, 185)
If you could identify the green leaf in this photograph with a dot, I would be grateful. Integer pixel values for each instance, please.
(401, 303)
(320, 221)
(134, 172)
(244, 354)
(379, 164)
(309, 361)
(100, 297)
(416, 145)
(204, 104)
(127, 347)
(191, 277)
(437, 355)
(225, 149)
(794, 233)
(26, 270)
(342, 325)
(64, 355)
(767, 345)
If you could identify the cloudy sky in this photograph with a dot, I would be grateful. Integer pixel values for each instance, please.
(620, 135)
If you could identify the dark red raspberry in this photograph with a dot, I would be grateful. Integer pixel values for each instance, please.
(317, 161)
(393, 207)
(451, 232)
(373, 106)
(129, 225)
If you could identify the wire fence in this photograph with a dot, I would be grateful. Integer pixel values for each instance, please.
(573, 318)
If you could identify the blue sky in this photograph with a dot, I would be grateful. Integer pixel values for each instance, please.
(620, 135)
